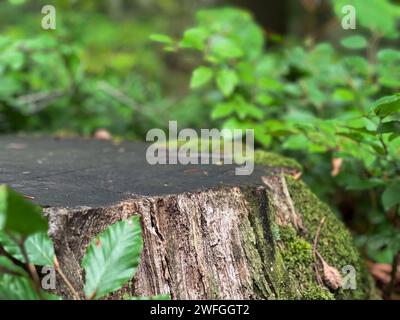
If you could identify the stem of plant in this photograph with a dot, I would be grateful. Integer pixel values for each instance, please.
(18, 263)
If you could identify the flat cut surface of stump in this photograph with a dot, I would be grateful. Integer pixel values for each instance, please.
(72, 172)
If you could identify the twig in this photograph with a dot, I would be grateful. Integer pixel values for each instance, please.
(39, 96)
(65, 279)
(317, 234)
(39, 100)
(315, 252)
(290, 202)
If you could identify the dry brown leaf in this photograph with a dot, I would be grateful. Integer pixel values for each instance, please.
(297, 175)
(332, 277)
(336, 166)
(382, 272)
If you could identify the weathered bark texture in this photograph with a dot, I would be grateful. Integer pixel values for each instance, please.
(197, 245)
(224, 243)
(207, 233)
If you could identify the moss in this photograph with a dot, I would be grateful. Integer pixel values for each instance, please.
(275, 160)
(298, 261)
(282, 260)
(335, 243)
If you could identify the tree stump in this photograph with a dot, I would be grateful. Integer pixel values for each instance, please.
(208, 234)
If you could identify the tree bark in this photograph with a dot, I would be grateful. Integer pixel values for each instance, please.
(197, 245)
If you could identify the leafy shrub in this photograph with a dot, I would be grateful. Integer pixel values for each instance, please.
(85, 76)
(314, 102)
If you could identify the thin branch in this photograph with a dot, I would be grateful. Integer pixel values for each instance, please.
(40, 96)
(40, 100)
(316, 253)
(317, 234)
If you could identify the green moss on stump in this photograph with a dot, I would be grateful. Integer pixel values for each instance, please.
(274, 160)
(293, 266)
(335, 242)
(297, 261)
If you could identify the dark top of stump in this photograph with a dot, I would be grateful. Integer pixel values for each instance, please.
(73, 172)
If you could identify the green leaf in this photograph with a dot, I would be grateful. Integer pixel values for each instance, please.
(8, 265)
(11, 246)
(343, 95)
(387, 106)
(40, 249)
(16, 288)
(389, 68)
(393, 136)
(194, 39)
(391, 196)
(249, 110)
(262, 137)
(227, 80)
(161, 38)
(389, 55)
(389, 127)
(18, 214)
(264, 99)
(297, 142)
(225, 48)
(200, 77)
(17, 2)
(355, 183)
(222, 110)
(354, 42)
(38, 246)
(112, 258)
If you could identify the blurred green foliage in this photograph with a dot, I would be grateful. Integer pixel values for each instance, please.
(96, 70)
(315, 102)
(327, 104)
